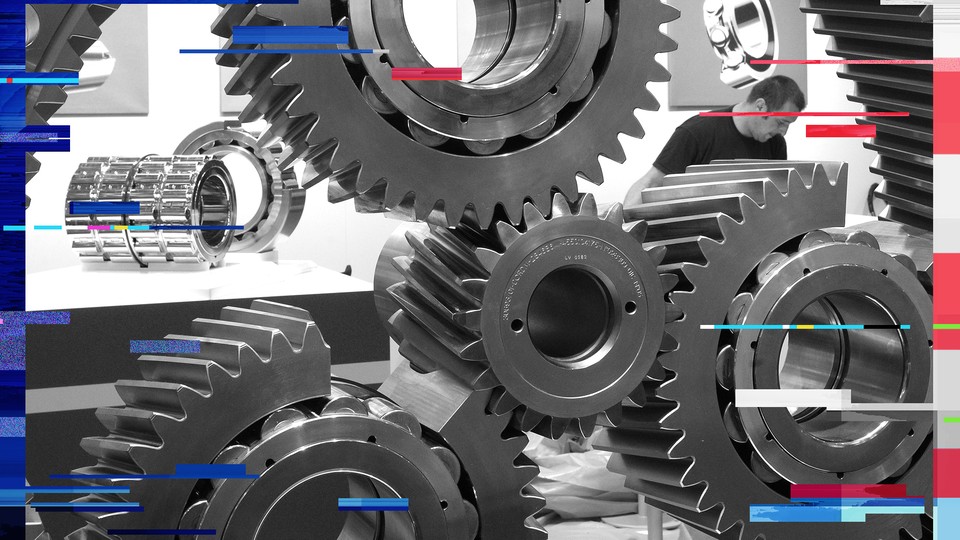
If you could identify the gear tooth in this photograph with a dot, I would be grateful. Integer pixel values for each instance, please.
(591, 172)
(85, 33)
(638, 230)
(49, 100)
(612, 416)
(647, 102)
(295, 329)
(453, 213)
(637, 397)
(559, 207)
(259, 338)
(709, 247)
(226, 353)
(668, 281)
(673, 312)
(390, 412)
(507, 234)
(133, 424)
(656, 373)
(532, 217)
(657, 253)
(614, 151)
(168, 398)
(284, 310)
(583, 427)
(502, 402)
(189, 371)
(587, 205)
(528, 418)
(253, 69)
(614, 214)
(534, 530)
(669, 343)
(488, 258)
(343, 183)
(116, 453)
(193, 514)
(371, 201)
(526, 470)
(230, 16)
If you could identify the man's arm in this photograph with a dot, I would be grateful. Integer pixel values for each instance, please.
(652, 179)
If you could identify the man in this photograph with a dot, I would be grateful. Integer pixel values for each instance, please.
(703, 139)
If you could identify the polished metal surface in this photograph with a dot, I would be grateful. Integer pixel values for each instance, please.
(490, 449)
(259, 393)
(762, 259)
(548, 86)
(172, 191)
(867, 30)
(57, 36)
(281, 199)
(562, 315)
(742, 31)
(98, 64)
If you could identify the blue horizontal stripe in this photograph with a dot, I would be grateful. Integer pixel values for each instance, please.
(184, 472)
(112, 208)
(373, 504)
(149, 346)
(329, 35)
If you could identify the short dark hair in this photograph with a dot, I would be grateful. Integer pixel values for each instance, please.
(777, 91)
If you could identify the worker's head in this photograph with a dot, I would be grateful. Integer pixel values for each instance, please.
(776, 94)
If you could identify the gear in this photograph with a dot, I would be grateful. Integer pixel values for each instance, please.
(57, 36)
(564, 314)
(868, 30)
(282, 199)
(698, 457)
(490, 450)
(259, 393)
(172, 191)
(542, 97)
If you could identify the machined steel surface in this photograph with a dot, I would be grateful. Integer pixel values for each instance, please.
(281, 199)
(56, 37)
(172, 191)
(742, 31)
(563, 315)
(757, 256)
(489, 448)
(866, 30)
(259, 393)
(546, 89)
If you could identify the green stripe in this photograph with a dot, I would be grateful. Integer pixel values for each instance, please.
(952, 420)
(946, 326)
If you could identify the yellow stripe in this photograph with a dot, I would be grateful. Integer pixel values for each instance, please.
(804, 327)
(118, 227)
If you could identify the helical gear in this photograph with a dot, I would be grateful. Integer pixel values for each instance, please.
(259, 393)
(489, 448)
(562, 315)
(281, 199)
(61, 33)
(868, 30)
(690, 451)
(522, 125)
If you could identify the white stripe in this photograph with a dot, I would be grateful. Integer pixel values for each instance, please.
(831, 399)
(72, 398)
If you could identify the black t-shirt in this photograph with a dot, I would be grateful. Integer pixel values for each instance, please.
(702, 139)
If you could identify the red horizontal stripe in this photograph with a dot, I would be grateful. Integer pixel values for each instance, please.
(756, 113)
(946, 300)
(426, 74)
(848, 491)
(856, 130)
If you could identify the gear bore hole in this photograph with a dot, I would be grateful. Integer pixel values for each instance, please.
(806, 271)
(443, 504)
(516, 325)
(884, 271)
(630, 307)
(372, 439)
(268, 463)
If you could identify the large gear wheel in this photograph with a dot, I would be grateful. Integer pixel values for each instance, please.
(490, 450)
(762, 260)
(867, 30)
(563, 314)
(57, 36)
(547, 89)
(259, 394)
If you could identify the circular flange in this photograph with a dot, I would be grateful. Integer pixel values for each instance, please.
(281, 199)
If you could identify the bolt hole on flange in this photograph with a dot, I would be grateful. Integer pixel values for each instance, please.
(570, 315)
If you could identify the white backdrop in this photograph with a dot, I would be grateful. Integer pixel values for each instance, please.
(184, 95)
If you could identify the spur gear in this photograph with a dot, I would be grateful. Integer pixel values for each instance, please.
(543, 96)
(697, 456)
(563, 315)
(259, 393)
(868, 30)
(490, 450)
(282, 199)
(56, 37)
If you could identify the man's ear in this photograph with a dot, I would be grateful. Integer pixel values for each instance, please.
(761, 104)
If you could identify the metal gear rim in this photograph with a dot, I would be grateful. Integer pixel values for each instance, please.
(237, 366)
(65, 32)
(295, 102)
(467, 298)
(282, 200)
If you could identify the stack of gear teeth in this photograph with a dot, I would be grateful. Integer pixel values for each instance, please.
(749, 250)
(534, 109)
(259, 393)
(281, 199)
(562, 316)
(866, 30)
(57, 36)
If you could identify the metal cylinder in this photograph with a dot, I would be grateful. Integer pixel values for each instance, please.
(187, 206)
